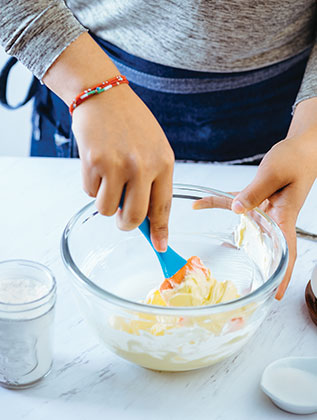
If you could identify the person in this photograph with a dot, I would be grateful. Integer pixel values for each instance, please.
(209, 81)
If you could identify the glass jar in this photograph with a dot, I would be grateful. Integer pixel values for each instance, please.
(27, 300)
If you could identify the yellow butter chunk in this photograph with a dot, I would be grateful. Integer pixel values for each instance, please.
(155, 298)
(196, 289)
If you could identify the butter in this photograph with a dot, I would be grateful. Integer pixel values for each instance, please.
(198, 288)
(249, 237)
(182, 342)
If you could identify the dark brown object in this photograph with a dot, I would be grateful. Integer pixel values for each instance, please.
(311, 302)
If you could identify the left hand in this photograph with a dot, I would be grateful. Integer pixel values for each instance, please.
(280, 187)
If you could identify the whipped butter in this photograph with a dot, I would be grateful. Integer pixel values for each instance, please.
(255, 243)
(197, 289)
(184, 342)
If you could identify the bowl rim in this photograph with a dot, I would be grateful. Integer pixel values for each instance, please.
(263, 291)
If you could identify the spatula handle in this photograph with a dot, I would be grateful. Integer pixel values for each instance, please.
(170, 261)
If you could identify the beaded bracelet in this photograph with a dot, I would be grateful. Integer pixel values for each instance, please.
(101, 87)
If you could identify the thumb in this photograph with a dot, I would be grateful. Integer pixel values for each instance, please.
(266, 182)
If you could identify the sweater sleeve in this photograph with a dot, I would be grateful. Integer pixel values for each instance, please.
(308, 87)
(37, 31)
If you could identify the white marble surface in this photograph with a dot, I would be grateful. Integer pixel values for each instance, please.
(38, 196)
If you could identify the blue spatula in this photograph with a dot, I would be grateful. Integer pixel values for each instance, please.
(170, 261)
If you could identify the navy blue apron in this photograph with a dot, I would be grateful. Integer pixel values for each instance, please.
(205, 116)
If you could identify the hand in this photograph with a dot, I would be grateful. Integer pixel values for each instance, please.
(280, 188)
(121, 144)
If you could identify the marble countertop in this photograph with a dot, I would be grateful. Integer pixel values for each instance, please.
(38, 197)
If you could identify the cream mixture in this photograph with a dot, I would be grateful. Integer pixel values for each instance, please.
(170, 342)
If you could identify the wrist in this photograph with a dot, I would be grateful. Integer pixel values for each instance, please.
(304, 150)
(304, 118)
(81, 65)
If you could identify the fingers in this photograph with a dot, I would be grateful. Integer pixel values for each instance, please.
(285, 208)
(262, 187)
(143, 196)
(213, 202)
(135, 206)
(161, 197)
(109, 195)
(270, 178)
(138, 195)
(290, 236)
(91, 182)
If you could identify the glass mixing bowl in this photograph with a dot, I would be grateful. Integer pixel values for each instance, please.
(112, 272)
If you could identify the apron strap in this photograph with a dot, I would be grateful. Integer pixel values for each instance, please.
(4, 74)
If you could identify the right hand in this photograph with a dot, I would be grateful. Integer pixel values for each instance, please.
(121, 144)
(119, 141)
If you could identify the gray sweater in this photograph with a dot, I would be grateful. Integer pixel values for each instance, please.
(203, 35)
